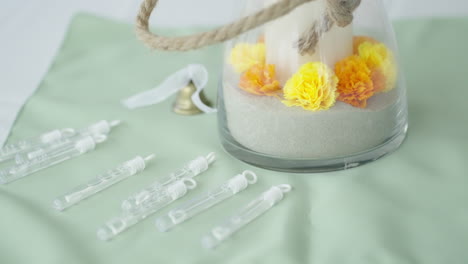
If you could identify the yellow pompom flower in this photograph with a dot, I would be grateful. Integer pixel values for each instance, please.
(358, 40)
(313, 87)
(244, 55)
(379, 58)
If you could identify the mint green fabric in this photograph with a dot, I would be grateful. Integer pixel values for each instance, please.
(408, 208)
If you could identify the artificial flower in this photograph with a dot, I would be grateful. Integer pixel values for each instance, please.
(313, 87)
(379, 58)
(369, 71)
(355, 85)
(261, 39)
(358, 40)
(244, 55)
(260, 80)
(379, 80)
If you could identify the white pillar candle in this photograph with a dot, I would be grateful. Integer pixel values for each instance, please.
(282, 35)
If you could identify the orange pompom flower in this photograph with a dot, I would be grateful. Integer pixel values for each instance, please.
(371, 70)
(260, 79)
(261, 39)
(355, 85)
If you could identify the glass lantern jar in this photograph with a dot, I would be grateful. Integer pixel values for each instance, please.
(305, 94)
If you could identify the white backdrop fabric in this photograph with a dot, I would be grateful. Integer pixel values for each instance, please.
(31, 32)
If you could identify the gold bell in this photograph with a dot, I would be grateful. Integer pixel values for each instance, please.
(184, 104)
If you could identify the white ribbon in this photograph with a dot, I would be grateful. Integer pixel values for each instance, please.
(195, 73)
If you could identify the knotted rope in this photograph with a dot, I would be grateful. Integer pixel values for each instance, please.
(339, 12)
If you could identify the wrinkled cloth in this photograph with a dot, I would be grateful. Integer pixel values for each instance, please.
(407, 208)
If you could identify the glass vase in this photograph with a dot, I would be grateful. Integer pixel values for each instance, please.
(304, 94)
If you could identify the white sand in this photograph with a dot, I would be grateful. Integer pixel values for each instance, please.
(265, 125)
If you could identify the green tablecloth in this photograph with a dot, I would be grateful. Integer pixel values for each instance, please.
(410, 207)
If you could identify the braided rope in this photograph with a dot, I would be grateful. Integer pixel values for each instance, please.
(340, 11)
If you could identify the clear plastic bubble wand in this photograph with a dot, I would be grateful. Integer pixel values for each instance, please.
(45, 158)
(168, 195)
(9, 151)
(102, 182)
(192, 169)
(101, 127)
(55, 138)
(252, 211)
(202, 203)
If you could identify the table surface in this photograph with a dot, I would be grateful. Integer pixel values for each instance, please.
(409, 207)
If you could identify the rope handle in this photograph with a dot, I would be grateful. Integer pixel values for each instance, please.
(338, 11)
